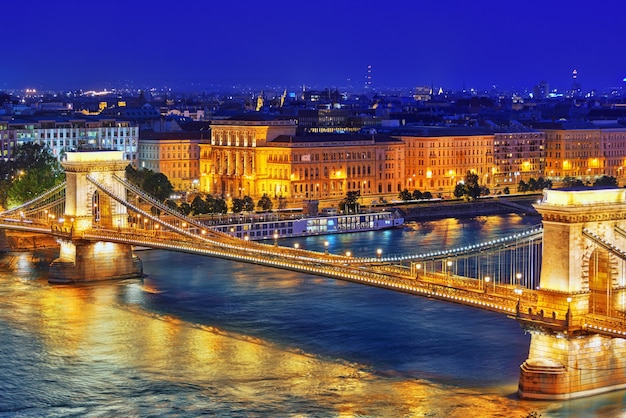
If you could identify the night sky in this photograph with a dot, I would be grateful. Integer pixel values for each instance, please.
(451, 44)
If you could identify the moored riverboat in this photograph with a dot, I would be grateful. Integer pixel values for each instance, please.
(256, 230)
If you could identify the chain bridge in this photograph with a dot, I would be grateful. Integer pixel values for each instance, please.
(564, 281)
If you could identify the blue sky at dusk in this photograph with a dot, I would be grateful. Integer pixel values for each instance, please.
(454, 43)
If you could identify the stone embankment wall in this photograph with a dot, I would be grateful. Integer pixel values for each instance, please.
(458, 209)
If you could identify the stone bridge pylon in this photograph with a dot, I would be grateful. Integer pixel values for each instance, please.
(86, 208)
(582, 280)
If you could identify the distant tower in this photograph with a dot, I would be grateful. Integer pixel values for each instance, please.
(576, 88)
(368, 78)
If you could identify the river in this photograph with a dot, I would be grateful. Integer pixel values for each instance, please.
(210, 337)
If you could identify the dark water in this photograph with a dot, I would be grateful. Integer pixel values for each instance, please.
(209, 337)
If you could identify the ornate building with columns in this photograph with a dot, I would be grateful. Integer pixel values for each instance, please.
(258, 157)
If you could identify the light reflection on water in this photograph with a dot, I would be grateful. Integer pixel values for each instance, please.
(210, 337)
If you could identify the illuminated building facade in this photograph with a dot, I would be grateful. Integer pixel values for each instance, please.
(235, 163)
(437, 158)
(584, 152)
(329, 166)
(174, 154)
(62, 135)
(518, 156)
(253, 158)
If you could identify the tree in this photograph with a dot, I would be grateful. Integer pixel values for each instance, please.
(605, 181)
(32, 171)
(469, 187)
(572, 182)
(349, 204)
(417, 195)
(427, 195)
(220, 206)
(198, 206)
(405, 195)
(185, 208)
(472, 186)
(522, 186)
(237, 205)
(156, 185)
(248, 204)
(265, 203)
(210, 205)
(459, 190)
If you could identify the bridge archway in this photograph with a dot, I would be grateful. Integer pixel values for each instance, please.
(600, 282)
(102, 211)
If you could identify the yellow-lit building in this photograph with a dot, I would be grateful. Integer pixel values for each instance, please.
(518, 156)
(584, 151)
(330, 166)
(257, 157)
(236, 163)
(174, 154)
(438, 158)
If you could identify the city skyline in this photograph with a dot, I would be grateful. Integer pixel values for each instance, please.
(452, 45)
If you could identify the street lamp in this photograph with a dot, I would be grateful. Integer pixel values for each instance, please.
(276, 239)
(379, 252)
(326, 243)
(518, 276)
(348, 254)
(487, 280)
(296, 245)
(418, 267)
(449, 264)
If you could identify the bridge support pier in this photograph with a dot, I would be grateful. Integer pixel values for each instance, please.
(568, 367)
(91, 261)
(578, 348)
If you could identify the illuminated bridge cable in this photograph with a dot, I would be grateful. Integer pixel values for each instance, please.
(143, 195)
(604, 244)
(218, 239)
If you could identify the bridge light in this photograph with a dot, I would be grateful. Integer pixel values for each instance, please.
(379, 252)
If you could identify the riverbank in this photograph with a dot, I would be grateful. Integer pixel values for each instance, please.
(518, 204)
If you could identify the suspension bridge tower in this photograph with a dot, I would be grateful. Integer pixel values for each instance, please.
(582, 280)
(87, 207)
